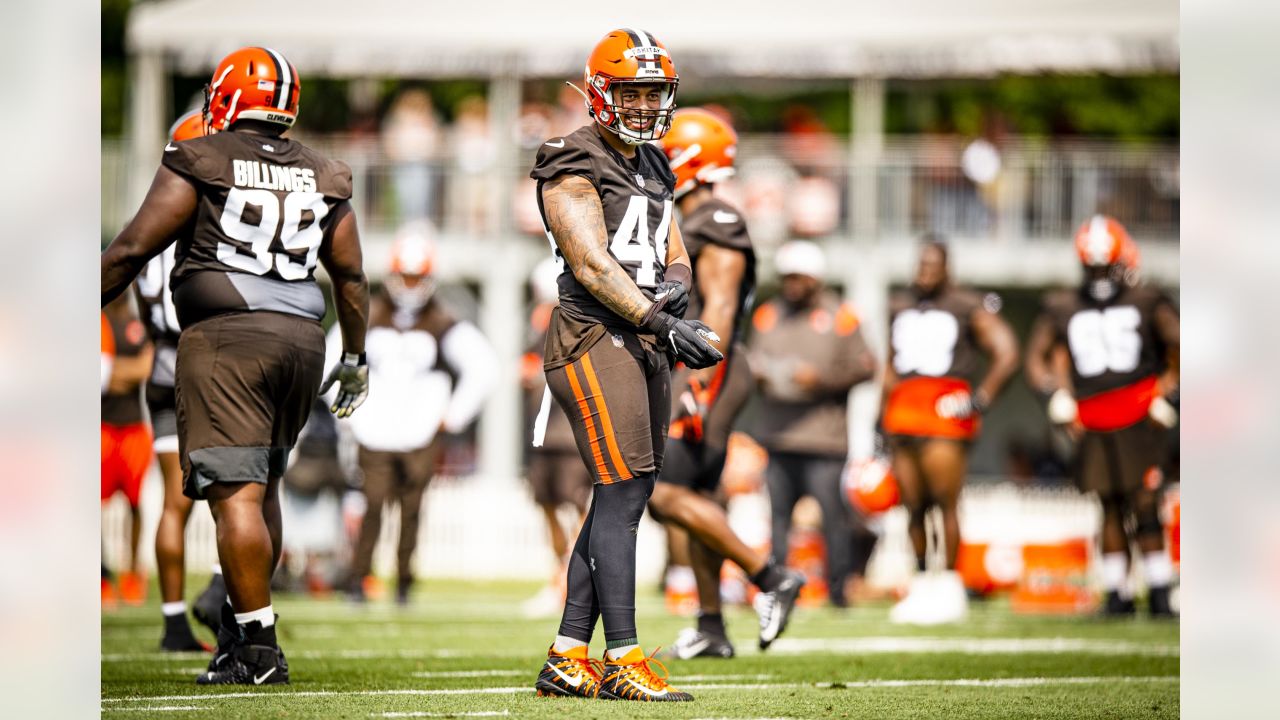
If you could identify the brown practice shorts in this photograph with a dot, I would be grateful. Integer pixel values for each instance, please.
(245, 386)
(617, 396)
(697, 464)
(558, 477)
(1119, 463)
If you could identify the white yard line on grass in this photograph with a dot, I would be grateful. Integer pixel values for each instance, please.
(158, 708)
(443, 653)
(469, 673)
(964, 682)
(480, 714)
(970, 645)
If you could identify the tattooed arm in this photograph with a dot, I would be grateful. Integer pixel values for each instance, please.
(576, 219)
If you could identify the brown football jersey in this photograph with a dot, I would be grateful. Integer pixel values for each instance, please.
(716, 222)
(933, 336)
(265, 206)
(637, 198)
(1112, 344)
(130, 338)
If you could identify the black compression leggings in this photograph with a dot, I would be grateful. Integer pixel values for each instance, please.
(602, 568)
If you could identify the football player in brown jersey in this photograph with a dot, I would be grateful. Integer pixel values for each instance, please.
(155, 301)
(701, 148)
(252, 211)
(606, 199)
(931, 411)
(1106, 357)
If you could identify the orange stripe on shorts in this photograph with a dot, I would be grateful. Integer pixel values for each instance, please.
(609, 439)
(601, 468)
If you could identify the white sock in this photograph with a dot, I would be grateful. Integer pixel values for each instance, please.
(1115, 573)
(265, 615)
(177, 607)
(217, 568)
(618, 652)
(1158, 569)
(565, 644)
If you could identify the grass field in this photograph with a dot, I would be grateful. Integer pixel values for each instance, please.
(459, 651)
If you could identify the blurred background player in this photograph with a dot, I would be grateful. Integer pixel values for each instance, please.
(931, 412)
(605, 196)
(430, 372)
(807, 352)
(252, 213)
(155, 303)
(126, 438)
(701, 149)
(555, 472)
(1106, 356)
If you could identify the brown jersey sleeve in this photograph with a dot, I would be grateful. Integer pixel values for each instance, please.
(192, 160)
(562, 156)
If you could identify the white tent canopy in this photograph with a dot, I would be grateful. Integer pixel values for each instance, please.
(810, 38)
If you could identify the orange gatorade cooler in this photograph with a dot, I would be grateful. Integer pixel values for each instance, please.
(1055, 579)
(989, 567)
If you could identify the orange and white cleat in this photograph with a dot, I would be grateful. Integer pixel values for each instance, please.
(631, 677)
(109, 599)
(569, 674)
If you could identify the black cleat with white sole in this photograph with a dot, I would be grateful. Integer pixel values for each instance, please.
(249, 665)
(774, 607)
(692, 643)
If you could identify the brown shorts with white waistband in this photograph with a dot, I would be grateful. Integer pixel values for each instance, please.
(245, 385)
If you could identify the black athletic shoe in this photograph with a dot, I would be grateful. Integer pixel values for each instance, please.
(632, 677)
(178, 636)
(774, 608)
(1158, 605)
(207, 608)
(249, 665)
(403, 586)
(692, 643)
(1117, 607)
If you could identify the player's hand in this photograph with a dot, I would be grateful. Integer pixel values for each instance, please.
(687, 339)
(352, 376)
(1062, 408)
(691, 409)
(1163, 412)
(673, 296)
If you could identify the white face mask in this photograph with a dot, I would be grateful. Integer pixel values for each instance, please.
(410, 299)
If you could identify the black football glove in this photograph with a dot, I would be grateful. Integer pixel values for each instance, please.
(673, 296)
(686, 339)
(352, 376)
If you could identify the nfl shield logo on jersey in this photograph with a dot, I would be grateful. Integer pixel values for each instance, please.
(640, 180)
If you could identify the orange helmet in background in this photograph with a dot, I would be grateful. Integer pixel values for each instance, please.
(188, 126)
(1109, 255)
(252, 83)
(627, 56)
(869, 485)
(1102, 241)
(701, 148)
(413, 259)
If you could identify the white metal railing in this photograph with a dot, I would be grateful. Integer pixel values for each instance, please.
(1038, 190)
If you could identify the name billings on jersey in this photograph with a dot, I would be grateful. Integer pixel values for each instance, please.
(255, 174)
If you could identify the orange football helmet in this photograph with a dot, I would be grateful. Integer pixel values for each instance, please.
(188, 126)
(627, 56)
(1102, 241)
(252, 83)
(413, 258)
(1109, 255)
(700, 147)
(870, 486)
